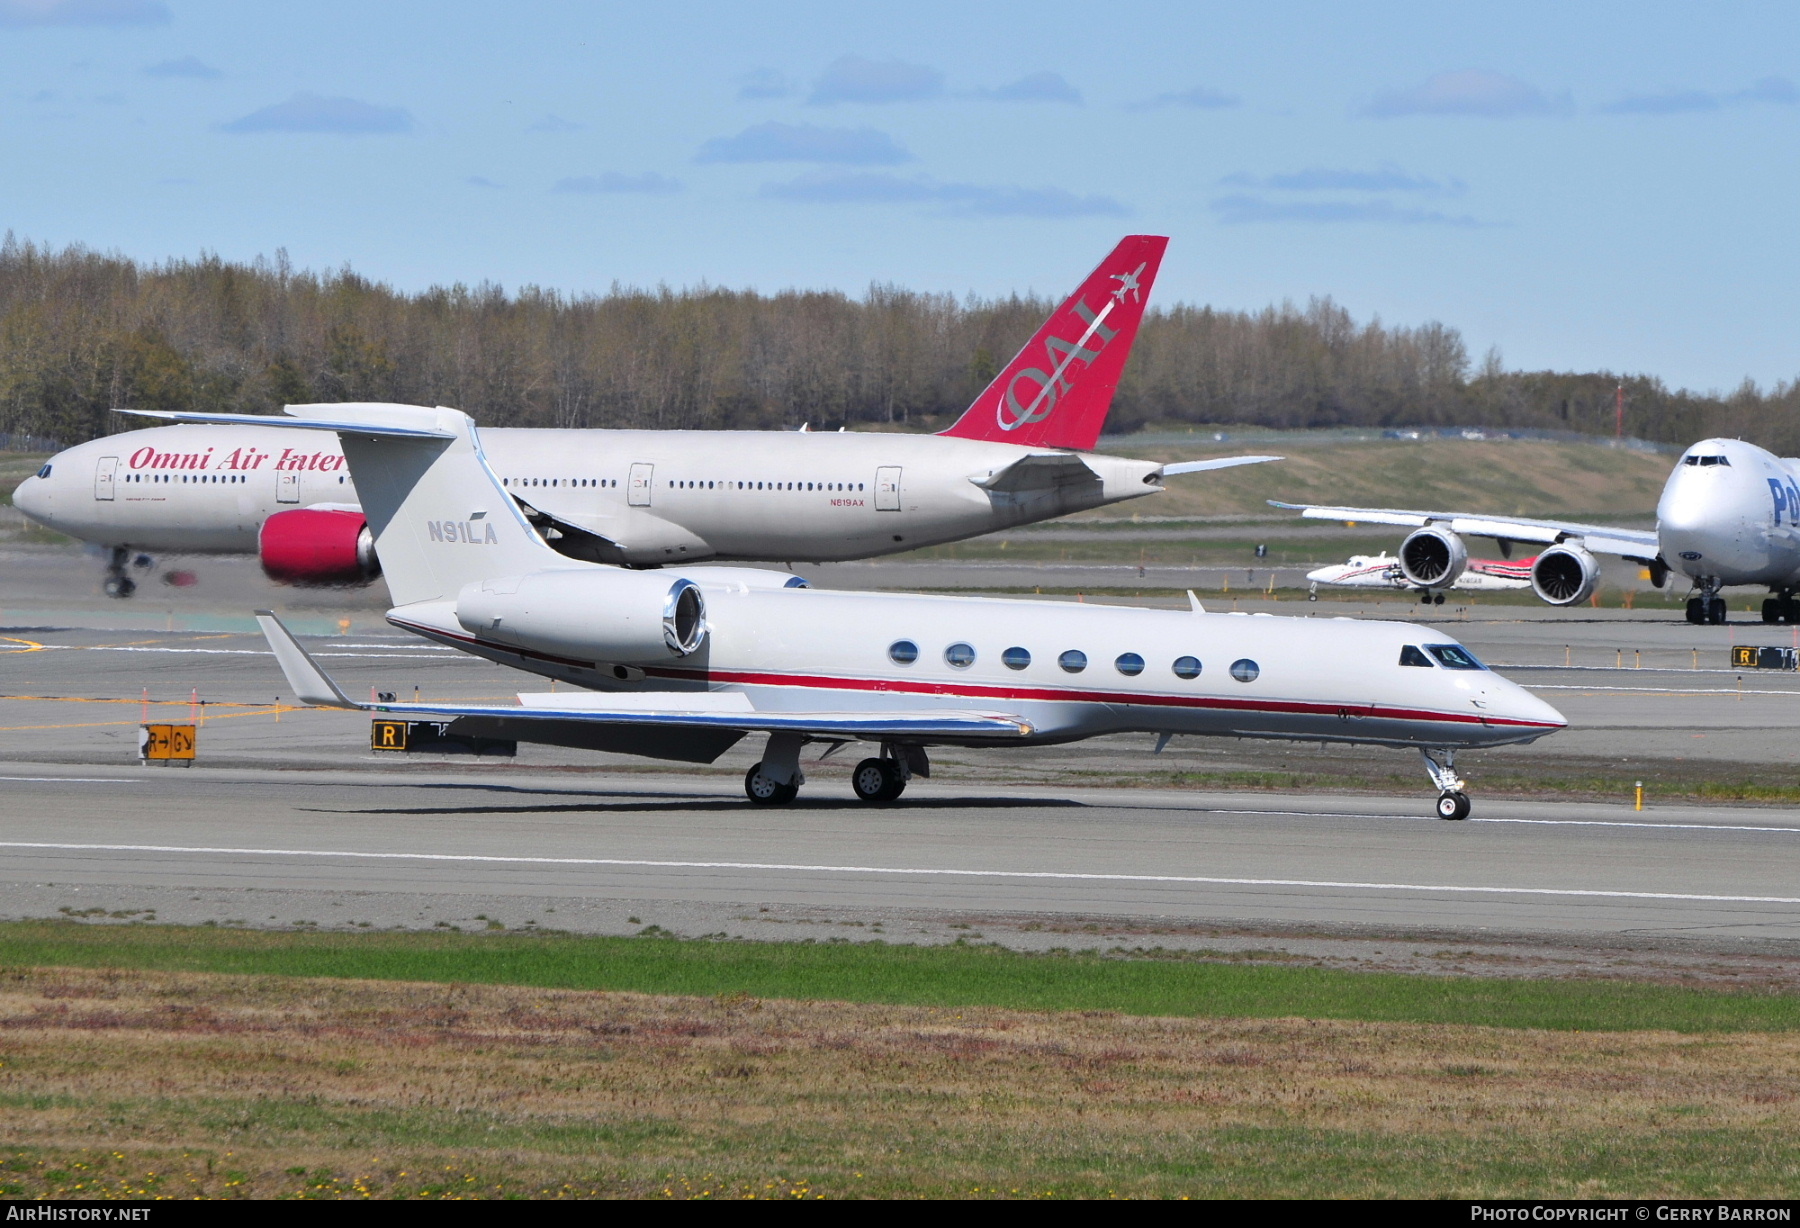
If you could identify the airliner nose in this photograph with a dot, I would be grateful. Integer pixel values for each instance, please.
(31, 497)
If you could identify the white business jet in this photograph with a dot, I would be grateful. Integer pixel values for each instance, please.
(1020, 454)
(682, 664)
(1727, 516)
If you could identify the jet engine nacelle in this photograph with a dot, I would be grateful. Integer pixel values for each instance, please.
(317, 546)
(1433, 558)
(612, 615)
(1565, 575)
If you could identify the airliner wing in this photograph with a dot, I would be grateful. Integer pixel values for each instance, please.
(705, 710)
(1601, 539)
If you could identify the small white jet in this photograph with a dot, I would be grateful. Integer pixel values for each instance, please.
(1727, 516)
(681, 664)
(1384, 571)
(1020, 454)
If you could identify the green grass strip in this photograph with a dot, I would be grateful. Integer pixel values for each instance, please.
(872, 972)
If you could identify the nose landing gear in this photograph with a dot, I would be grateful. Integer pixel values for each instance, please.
(118, 582)
(1452, 802)
(1708, 609)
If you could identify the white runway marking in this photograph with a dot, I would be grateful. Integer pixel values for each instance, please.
(1631, 823)
(79, 780)
(1061, 875)
(1655, 690)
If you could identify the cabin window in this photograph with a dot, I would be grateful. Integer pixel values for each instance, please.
(1073, 661)
(903, 652)
(1245, 670)
(1015, 658)
(1186, 667)
(1454, 656)
(1129, 664)
(961, 656)
(1410, 655)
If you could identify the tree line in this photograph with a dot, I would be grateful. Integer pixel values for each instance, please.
(83, 331)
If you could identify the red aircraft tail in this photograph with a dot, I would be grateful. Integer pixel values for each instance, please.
(1056, 392)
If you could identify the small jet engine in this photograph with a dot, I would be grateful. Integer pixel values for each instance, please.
(1433, 558)
(317, 546)
(1565, 575)
(614, 615)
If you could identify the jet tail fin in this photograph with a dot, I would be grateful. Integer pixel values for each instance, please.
(1056, 392)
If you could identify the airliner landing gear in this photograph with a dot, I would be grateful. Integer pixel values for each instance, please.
(776, 780)
(1708, 609)
(1781, 608)
(1452, 802)
(117, 582)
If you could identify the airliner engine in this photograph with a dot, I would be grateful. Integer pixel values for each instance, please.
(316, 546)
(1433, 558)
(628, 617)
(1565, 575)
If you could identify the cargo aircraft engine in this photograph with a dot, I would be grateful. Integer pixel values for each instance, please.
(317, 546)
(626, 617)
(1565, 575)
(1433, 558)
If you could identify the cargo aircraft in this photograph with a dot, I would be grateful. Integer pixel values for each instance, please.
(681, 663)
(1727, 516)
(1021, 453)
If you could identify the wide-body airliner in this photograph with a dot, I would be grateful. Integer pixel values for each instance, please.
(1727, 517)
(680, 664)
(1021, 453)
(1384, 571)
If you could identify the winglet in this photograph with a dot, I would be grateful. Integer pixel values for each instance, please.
(1056, 392)
(1195, 602)
(311, 684)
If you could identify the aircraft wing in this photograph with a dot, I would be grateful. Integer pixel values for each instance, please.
(1601, 539)
(703, 710)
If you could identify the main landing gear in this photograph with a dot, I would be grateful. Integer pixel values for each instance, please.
(118, 582)
(1452, 802)
(777, 779)
(1708, 609)
(1781, 608)
(1430, 598)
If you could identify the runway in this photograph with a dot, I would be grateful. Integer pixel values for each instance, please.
(1244, 859)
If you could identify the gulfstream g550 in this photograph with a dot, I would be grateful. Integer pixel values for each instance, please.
(682, 663)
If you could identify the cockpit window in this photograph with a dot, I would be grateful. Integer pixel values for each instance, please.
(1706, 460)
(44, 472)
(1410, 655)
(1454, 656)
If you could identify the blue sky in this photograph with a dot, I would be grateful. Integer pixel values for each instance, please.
(1584, 186)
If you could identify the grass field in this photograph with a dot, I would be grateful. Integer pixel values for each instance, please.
(123, 1082)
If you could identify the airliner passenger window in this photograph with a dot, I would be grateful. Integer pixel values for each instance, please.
(903, 652)
(1073, 661)
(1245, 670)
(1454, 656)
(1129, 664)
(960, 655)
(1410, 655)
(1015, 658)
(1187, 667)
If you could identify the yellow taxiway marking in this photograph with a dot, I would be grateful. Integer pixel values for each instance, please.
(30, 645)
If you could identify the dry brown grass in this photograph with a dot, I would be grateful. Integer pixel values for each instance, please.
(257, 1086)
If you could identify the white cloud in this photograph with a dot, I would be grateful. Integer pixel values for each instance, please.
(852, 78)
(777, 142)
(313, 113)
(953, 199)
(20, 13)
(1036, 87)
(1477, 92)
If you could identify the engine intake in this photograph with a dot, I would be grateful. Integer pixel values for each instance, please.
(316, 546)
(1433, 558)
(623, 617)
(1565, 575)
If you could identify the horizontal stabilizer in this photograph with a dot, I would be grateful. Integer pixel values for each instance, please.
(1046, 471)
(1206, 466)
(401, 421)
